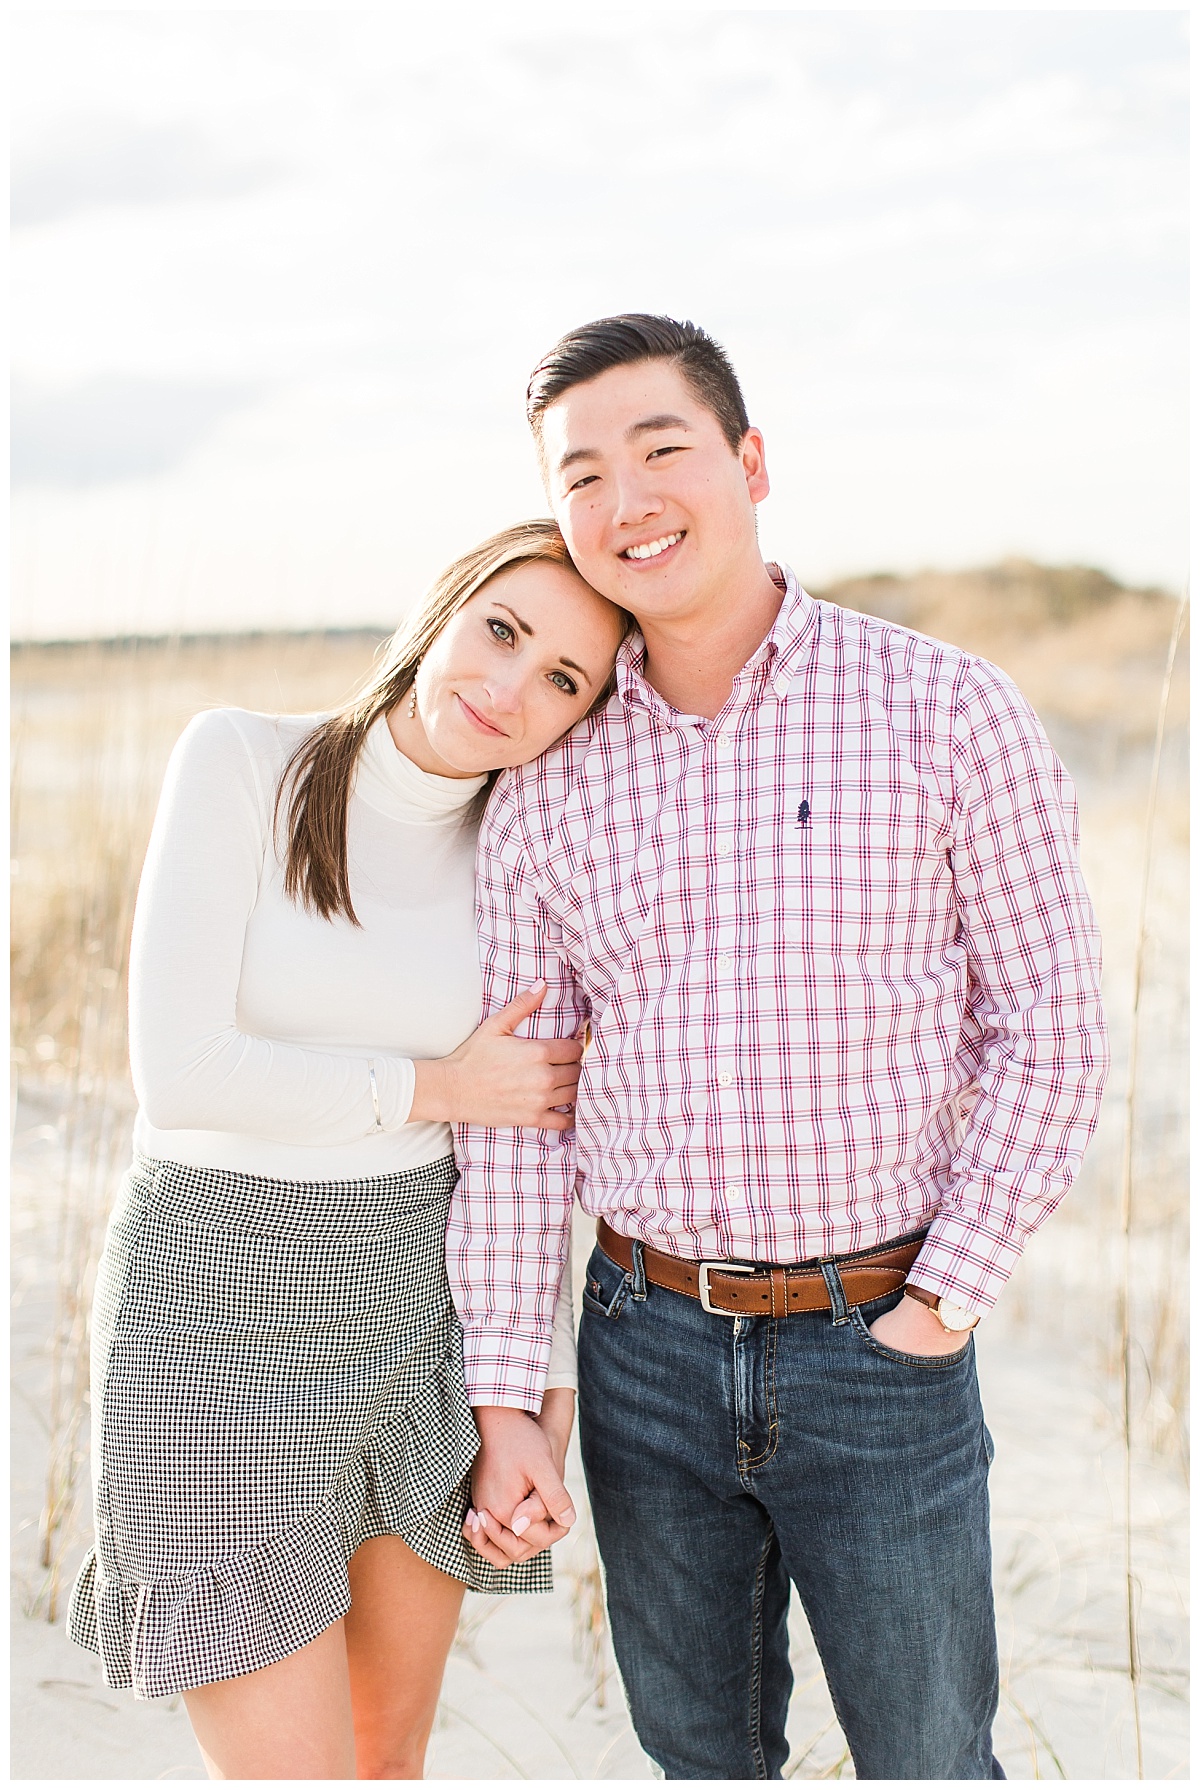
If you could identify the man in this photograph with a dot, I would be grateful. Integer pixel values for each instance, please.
(810, 879)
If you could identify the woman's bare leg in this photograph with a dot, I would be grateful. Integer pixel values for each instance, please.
(402, 1619)
(290, 1720)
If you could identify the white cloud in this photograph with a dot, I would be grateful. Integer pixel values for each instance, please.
(947, 251)
(104, 161)
(106, 430)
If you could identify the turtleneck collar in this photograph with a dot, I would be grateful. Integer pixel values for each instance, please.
(393, 785)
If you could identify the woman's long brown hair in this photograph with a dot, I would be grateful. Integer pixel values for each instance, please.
(317, 779)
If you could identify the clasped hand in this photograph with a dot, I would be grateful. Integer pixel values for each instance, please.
(519, 1502)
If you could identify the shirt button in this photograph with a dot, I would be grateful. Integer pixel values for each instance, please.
(724, 1080)
(724, 847)
(724, 961)
(725, 740)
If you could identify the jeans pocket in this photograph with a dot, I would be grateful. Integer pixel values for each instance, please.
(927, 1363)
(606, 1286)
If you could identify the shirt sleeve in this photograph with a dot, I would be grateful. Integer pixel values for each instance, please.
(563, 1368)
(506, 1242)
(193, 1069)
(1035, 1028)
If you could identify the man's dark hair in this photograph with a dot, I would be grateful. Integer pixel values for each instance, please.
(593, 348)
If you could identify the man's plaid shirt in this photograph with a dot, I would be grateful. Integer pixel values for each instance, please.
(840, 969)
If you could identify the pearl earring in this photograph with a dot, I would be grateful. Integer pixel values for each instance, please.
(412, 701)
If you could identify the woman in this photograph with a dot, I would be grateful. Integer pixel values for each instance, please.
(281, 1433)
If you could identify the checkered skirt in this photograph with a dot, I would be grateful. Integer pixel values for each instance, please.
(276, 1377)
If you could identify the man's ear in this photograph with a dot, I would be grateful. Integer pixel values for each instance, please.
(753, 456)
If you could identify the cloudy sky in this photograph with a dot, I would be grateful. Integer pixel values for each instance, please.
(279, 278)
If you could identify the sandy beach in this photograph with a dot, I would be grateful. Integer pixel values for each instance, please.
(530, 1694)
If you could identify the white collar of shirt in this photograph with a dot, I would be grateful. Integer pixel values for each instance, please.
(393, 785)
(783, 651)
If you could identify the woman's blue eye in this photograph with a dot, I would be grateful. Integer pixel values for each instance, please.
(500, 629)
(561, 681)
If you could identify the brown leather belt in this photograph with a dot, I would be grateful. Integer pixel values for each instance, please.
(774, 1292)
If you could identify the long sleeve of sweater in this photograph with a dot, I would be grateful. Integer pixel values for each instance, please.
(194, 1066)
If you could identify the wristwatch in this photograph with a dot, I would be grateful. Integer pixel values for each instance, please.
(951, 1317)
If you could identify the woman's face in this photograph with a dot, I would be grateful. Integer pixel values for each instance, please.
(518, 665)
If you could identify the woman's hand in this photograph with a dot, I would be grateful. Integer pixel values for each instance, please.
(492, 1484)
(495, 1078)
(556, 1419)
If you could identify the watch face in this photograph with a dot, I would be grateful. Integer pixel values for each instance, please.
(954, 1317)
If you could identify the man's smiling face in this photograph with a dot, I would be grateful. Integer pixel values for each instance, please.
(656, 508)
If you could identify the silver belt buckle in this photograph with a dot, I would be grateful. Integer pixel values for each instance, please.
(721, 1268)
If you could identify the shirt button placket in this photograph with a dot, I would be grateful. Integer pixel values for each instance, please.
(722, 785)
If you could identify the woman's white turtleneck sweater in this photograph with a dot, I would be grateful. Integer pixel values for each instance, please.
(254, 1024)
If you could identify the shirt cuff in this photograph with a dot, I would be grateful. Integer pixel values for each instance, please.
(506, 1366)
(967, 1265)
(395, 1085)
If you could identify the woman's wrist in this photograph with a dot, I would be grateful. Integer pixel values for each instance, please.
(435, 1086)
(557, 1416)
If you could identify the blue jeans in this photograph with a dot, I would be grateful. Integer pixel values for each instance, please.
(726, 1457)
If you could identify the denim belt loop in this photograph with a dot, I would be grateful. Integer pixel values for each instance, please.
(638, 1288)
(831, 1275)
(613, 1308)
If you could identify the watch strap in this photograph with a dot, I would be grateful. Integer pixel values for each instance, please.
(930, 1301)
